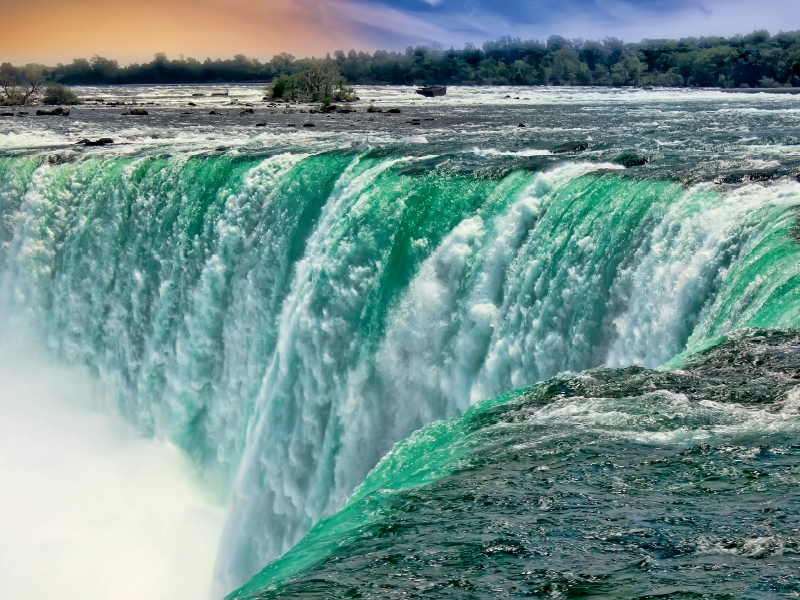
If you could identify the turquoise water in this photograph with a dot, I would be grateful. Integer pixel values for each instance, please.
(613, 483)
(286, 315)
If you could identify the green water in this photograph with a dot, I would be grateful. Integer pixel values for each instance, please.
(287, 319)
(623, 483)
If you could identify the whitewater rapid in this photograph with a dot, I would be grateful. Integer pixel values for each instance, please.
(287, 319)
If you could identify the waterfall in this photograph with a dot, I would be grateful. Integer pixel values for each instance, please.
(286, 320)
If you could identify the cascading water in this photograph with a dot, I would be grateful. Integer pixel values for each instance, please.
(623, 483)
(287, 319)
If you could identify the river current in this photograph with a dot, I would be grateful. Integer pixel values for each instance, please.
(287, 295)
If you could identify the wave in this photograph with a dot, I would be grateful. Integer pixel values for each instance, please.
(611, 482)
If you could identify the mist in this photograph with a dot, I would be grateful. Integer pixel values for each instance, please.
(90, 510)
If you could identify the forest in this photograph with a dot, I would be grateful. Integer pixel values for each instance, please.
(758, 59)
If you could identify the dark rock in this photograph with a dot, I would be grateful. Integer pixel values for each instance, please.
(522, 125)
(100, 142)
(309, 125)
(432, 91)
(6, 114)
(191, 104)
(247, 111)
(394, 111)
(335, 108)
(213, 112)
(137, 112)
(22, 113)
(632, 159)
(261, 124)
(570, 147)
(225, 93)
(291, 125)
(749, 176)
(58, 111)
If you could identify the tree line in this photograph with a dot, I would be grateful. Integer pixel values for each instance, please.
(755, 60)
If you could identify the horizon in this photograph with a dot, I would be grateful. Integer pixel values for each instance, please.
(46, 33)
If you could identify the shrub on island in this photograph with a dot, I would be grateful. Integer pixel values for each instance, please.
(56, 93)
(321, 82)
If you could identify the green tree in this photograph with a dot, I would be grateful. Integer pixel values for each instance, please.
(20, 88)
(712, 66)
(56, 93)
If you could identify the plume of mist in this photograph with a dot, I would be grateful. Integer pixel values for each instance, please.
(90, 510)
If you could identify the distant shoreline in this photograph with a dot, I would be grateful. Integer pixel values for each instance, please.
(764, 90)
(646, 88)
(738, 64)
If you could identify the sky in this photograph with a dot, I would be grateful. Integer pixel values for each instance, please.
(51, 31)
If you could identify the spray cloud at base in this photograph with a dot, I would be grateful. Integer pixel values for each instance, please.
(91, 510)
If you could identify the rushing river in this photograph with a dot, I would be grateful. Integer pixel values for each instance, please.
(285, 303)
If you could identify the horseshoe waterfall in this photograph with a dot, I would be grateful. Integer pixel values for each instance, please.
(352, 342)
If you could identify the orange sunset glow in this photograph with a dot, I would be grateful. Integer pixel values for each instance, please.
(48, 32)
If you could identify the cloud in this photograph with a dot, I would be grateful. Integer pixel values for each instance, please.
(52, 31)
(59, 30)
(459, 21)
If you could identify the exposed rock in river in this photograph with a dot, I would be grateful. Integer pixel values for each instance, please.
(570, 147)
(99, 142)
(58, 111)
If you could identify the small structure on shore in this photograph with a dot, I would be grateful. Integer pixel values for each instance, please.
(431, 91)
